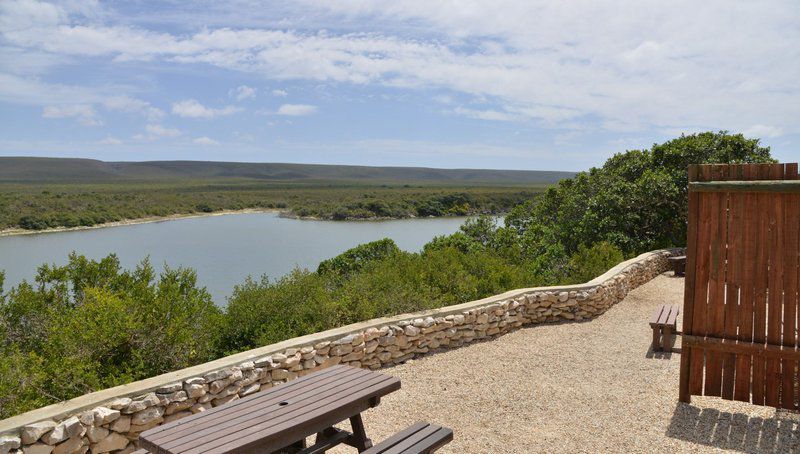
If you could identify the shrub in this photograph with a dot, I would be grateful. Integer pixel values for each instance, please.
(589, 262)
(637, 201)
(354, 259)
(89, 325)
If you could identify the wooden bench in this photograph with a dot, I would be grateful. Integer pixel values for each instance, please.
(664, 324)
(421, 438)
(678, 264)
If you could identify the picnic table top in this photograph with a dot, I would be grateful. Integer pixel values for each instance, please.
(276, 418)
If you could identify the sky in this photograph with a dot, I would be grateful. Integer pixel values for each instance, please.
(511, 84)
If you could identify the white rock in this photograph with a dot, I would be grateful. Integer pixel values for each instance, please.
(195, 381)
(104, 415)
(145, 416)
(197, 408)
(246, 391)
(95, 434)
(217, 375)
(266, 361)
(9, 443)
(70, 427)
(70, 446)
(279, 374)
(121, 425)
(195, 390)
(37, 448)
(119, 404)
(86, 418)
(112, 442)
(33, 432)
(148, 400)
(278, 358)
(171, 388)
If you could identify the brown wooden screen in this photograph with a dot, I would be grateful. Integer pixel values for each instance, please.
(741, 317)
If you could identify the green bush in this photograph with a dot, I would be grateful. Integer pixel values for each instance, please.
(33, 223)
(637, 201)
(262, 312)
(90, 325)
(589, 262)
(354, 259)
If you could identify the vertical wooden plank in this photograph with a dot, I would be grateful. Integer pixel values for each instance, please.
(775, 288)
(700, 289)
(760, 287)
(794, 299)
(716, 282)
(733, 279)
(684, 394)
(745, 319)
(791, 221)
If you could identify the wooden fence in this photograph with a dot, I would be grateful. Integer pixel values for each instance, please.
(741, 314)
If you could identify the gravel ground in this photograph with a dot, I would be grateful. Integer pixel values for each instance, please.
(575, 387)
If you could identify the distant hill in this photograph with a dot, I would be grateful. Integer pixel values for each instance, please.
(74, 170)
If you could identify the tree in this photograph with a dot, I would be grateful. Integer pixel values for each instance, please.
(637, 201)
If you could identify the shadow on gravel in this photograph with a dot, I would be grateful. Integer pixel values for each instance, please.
(736, 431)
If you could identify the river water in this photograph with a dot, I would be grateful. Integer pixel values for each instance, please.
(224, 250)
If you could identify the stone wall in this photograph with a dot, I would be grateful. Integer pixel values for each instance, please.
(111, 420)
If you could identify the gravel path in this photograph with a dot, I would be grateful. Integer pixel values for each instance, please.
(575, 387)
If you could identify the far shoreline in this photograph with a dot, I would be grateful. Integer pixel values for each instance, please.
(137, 221)
(179, 216)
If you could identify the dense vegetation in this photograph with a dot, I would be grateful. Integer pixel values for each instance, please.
(43, 193)
(89, 325)
(44, 206)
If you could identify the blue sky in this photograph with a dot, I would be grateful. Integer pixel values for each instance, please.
(458, 84)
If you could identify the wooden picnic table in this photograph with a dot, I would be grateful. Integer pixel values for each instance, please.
(281, 418)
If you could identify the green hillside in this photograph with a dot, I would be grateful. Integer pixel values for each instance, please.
(64, 170)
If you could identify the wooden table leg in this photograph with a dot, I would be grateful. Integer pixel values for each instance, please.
(656, 339)
(666, 341)
(360, 440)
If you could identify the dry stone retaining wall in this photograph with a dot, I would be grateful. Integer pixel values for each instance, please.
(111, 420)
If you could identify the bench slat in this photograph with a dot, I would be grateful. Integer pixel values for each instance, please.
(422, 437)
(673, 315)
(657, 315)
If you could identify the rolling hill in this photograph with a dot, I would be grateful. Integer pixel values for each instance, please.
(74, 170)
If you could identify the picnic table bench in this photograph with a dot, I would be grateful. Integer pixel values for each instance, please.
(280, 419)
(664, 324)
(421, 438)
(678, 263)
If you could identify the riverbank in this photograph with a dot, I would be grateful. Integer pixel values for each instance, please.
(146, 220)
(65, 207)
(176, 217)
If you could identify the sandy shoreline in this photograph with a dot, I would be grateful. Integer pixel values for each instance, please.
(147, 220)
(175, 217)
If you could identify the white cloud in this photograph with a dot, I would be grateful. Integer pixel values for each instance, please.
(191, 108)
(296, 110)
(728, 65)
(84, 113)
(205, 141)
(242, 92)
(124, 103)
(763, 131)
(155, 132)
(280, 93)
(485, 114)
(110, 141)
